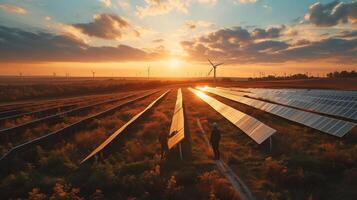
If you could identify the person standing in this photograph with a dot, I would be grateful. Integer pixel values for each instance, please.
(214, 140)
(163, 138)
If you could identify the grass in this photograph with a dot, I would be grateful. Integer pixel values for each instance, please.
(48, 105)
(60, 159)
(132, 170)
(13, 90)
(301, 159)
(304, 164)
(47, 127)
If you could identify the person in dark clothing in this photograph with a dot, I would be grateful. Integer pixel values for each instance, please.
(214, 140)
(163, 138)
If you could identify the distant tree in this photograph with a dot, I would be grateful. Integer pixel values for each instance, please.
(274, 77)
(342, 74)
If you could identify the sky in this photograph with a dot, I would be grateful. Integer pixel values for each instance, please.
(175, 38)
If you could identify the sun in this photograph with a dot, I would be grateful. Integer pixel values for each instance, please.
(174, 63)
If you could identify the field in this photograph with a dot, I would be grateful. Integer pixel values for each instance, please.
(77, 116)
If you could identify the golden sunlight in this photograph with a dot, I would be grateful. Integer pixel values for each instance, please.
(174, 63)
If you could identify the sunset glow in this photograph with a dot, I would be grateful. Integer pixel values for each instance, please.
(252, 36)
(174, 63)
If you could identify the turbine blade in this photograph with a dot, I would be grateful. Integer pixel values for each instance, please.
(218, 64)
(210, 71)
(210, 61)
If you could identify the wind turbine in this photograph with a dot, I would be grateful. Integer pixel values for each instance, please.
(148, 72)
(93, 72)
(214, 67)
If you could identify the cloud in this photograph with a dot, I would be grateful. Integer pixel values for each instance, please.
(238, 45)
(13, 9)
(332, 13)
(158, 40)
(348, 34)
(272, 32)
(106, 3)
(209, 2)
(342, 50)
(124, 4)
(159, 7)
(302, 42)
(191, 24)
(17, 45)
(268, 7)
(106, 26)
(268, 46)
(246, 1)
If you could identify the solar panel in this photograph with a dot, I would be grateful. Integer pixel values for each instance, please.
(121, 129)
(177, 129)
(322, 123)
(311, 93)
(308, 100)
(255, 129)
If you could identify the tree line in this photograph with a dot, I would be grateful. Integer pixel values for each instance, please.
(342, 74)
(335, 74)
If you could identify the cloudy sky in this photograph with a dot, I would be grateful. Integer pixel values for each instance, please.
(175, 38)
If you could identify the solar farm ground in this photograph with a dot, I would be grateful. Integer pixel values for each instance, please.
(302, 164)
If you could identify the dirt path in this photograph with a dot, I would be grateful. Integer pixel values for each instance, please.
(236, 182)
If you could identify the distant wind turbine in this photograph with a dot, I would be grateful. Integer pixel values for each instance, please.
(93, 73)
(214, 68)
(148, 72)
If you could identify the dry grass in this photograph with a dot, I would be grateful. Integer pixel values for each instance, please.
(45, 127)
(89, 139)
(300, 157)
(133, 168)
(215, 187)
(142, 142)
(80, 102)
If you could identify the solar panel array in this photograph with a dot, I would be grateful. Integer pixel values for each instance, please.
(121, 129)
(67, 129)
(177, 129)
(328, 94)
(255, 129)
(325, 124)
(338, 103)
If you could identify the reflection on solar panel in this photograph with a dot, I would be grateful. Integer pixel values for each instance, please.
(328, 125)
(328, 94)
(121, 129)
(255, 129)
(338, 103)
(177, 130)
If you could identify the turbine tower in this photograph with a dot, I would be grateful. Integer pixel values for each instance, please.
(214, 67)
(93, 73)
(148, 72)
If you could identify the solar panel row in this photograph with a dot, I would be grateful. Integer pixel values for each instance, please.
(341, 108)
(310, 94)
(121, 129)
(177, 129)
(328, 94)
(327, 125)
(255, 129)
